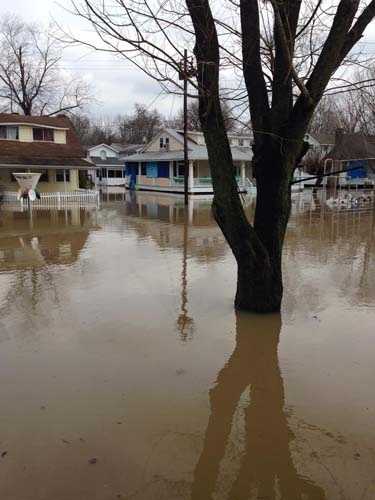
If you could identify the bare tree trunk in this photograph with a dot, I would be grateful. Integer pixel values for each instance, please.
(257, 248)
(260, 286)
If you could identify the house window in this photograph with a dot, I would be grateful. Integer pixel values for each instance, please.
(167, 142)
(103, 154)
(43, 134)
(114, 174)
(60, 175)
(10, 133)
(44, 176)
(178, 169)
(240, 142)
(144, 169)
(161, 142)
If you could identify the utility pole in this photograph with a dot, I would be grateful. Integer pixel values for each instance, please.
(186, 151)
(186, 72)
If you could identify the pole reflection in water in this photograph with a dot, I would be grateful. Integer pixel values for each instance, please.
(185, 323)
(266, 465)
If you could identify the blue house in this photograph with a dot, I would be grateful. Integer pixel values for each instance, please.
(160, 165)
(355, 153)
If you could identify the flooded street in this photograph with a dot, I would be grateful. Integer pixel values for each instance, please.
(126, 373)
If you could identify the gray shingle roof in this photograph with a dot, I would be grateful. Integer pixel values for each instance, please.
(113, 162)
(354, 147)
(324, 138)
(196, 153)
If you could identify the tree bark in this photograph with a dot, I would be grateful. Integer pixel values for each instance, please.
(258, 247)
(260, 287)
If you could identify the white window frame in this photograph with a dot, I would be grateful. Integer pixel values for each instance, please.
(8, 137)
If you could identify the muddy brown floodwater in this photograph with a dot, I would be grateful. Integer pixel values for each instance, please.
(125, 372)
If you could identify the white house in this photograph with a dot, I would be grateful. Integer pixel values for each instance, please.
(160, 165)
(320, 144)
(41, 144)
(110, 165)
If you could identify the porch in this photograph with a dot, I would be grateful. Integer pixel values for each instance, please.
(110, 176)
(52, 180)
(57, 187)
(169, 177)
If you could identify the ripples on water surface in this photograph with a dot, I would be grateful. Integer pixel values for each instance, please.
(119, 342)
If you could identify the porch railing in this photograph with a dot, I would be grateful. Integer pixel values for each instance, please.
(202, 181)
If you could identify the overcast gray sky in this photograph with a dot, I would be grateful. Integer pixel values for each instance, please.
(116, 84)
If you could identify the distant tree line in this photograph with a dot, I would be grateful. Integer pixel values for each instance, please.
(352, 111)
(140, 125)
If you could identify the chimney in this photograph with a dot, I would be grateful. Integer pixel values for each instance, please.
(339, 134)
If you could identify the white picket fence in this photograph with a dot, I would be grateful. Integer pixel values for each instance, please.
(55, 200)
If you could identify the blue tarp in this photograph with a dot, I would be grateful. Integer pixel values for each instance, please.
(360, 171)
(131, 169)
(163, 169)
(152, 170)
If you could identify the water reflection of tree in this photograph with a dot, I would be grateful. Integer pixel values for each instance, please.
(266, 463)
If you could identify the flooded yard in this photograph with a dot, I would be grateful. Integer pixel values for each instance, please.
(126, 373)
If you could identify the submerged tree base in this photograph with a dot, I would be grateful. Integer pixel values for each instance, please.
(258, 290)
(257, 307)
(247, 300)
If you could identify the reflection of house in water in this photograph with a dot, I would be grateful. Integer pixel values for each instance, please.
(341, 244)
(162, 218)
(37, 238)
(192, 231)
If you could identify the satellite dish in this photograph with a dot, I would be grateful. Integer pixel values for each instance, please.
(32, 195)
(27, 180)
